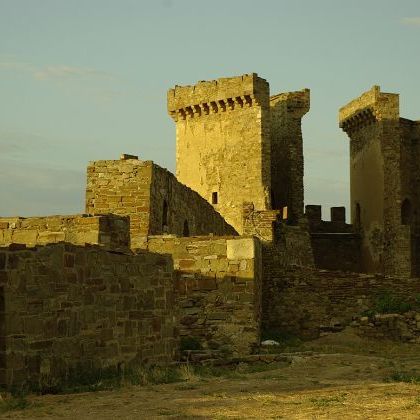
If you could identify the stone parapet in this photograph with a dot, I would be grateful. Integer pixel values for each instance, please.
(369, 107)
(215, 96)
(107, 230)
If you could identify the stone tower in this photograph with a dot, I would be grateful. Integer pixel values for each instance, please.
(235, 144)
(384, 181)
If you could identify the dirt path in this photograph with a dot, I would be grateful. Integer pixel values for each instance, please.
(317, 386)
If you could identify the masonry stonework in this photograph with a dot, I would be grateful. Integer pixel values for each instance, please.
(152, 198)
(235, 144)
(70, 308)
(381, 180)
(202, 263)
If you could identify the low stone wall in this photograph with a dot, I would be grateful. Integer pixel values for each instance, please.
(305, 301)
(218, 282)
(398, 327)
(108, 230)
(66, 308)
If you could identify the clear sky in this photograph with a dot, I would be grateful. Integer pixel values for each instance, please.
(86, 80)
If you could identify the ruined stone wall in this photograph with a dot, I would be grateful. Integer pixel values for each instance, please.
(398, 327)
(121, 187)
(223, 142)
(109, 231)
(306, 301)
(188, 214)
(152, 198)
(75, 309)
(218, 282)
(286, 112)
(260, 223)
(335, 245)
(372, 123)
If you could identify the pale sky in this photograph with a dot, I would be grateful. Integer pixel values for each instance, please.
(86, 80)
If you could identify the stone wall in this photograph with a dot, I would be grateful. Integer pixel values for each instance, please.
(68, 309)
(307, 301)
(187, 213)
(218, 282)
(153, 199)
(398, 327)
(286, 112)
(107, 230)
(336, 251)
(223, 142)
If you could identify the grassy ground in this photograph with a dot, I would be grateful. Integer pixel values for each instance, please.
(345, 378)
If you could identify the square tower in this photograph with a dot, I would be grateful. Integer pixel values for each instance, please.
(384, 181)
(235, 144)
(222, 142)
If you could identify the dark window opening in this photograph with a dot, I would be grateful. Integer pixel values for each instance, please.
(214, 198)
(186, 229)
(165, 216)
(406, 212)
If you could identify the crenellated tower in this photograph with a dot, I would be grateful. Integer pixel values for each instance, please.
(235, 144)
(383, 181)
(223, 143)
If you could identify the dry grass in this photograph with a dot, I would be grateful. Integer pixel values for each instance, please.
(353, 380)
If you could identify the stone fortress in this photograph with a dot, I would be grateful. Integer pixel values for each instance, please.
(210, 260)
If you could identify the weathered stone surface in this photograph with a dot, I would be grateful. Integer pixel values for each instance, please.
(56, 323)
(235, 144)
(109, 231)
(155, 202)
(215, 311)
(384, 182)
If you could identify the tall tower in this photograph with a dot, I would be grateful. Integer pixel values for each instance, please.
(235, 144)
(380, 180)
(286, 111)
(223, 143)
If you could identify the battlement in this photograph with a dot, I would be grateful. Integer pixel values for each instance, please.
(297, 102)
(210, 97)
(369, 107)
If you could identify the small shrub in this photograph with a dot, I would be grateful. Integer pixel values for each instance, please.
(327, 401)
(190, 343)
(14, 403)
(387, 304)
(404, 377)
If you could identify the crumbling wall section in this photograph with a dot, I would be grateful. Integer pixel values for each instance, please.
(306, 302)
(218, 282)
(286, 112)
(109, 231)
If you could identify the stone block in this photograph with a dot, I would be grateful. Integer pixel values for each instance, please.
(240, 249)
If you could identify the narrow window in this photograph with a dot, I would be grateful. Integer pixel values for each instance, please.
(214, 198)
(186, 230)
(358, 217)
(406, 212)
(165, 215)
